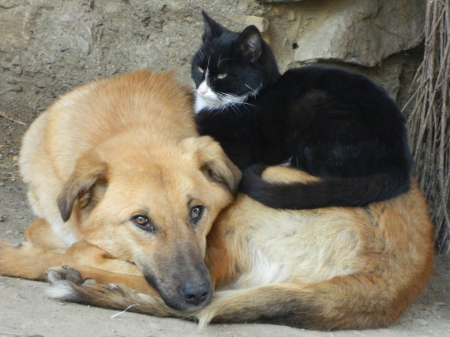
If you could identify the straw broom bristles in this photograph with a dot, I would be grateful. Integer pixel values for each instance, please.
(429, 122)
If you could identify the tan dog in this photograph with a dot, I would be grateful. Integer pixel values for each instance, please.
(116, 169)
(330, 268)
(325, 269)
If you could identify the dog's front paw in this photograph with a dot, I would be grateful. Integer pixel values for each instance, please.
(64, 281)
(60, 274)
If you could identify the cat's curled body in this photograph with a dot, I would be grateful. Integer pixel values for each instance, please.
(327, 121)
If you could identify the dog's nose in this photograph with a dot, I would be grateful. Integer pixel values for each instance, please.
(195, 293)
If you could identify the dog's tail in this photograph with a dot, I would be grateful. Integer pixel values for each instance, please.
(350, 302)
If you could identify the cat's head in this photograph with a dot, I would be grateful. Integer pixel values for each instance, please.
(229, 67)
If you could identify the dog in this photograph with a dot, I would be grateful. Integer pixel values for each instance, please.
(322, 269)
(121, 182)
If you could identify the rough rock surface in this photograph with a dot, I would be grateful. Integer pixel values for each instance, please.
(362, 32)
(48, 47)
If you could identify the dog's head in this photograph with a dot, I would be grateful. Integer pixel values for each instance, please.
(154, 209)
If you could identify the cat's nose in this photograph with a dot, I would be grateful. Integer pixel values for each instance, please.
(203, 88)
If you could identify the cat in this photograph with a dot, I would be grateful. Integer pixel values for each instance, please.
(330, 122)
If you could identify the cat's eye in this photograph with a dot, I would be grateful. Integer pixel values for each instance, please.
(200, 69)
(220, 76)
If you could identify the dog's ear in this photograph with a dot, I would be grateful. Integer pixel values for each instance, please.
(214, 163)
(89, 171)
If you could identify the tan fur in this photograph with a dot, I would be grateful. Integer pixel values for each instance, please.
(325, 269)
(329, 268)
(110, 150)
(335, 268)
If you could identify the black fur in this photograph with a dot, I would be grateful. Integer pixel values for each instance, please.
(326, 121)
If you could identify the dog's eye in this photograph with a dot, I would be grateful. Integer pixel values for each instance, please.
(143, 222)
(196, 213)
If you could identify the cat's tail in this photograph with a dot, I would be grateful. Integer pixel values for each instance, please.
(325, 192)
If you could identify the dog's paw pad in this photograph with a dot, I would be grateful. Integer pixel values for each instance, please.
(89, 282)
(113, 286)
(64, 273)
(56, 274)
(73, 275)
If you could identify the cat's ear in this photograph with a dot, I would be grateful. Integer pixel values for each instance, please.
(212, 28)
(249, 43)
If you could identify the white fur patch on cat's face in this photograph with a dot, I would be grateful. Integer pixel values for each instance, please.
(206, 98)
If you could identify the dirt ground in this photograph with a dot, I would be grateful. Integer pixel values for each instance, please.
(25, 310)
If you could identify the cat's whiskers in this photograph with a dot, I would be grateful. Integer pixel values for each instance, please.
(221, 60)
(233, 102)
(254, 92)
(235, 109)
(247, 105)
(201, 54)
(230, 102)
(232, 99)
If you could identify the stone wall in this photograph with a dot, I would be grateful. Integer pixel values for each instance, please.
(49, 47)
(380, 38)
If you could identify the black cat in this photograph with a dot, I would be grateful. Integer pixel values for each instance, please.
(327, 121)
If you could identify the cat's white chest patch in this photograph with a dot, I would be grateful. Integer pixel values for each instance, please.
(200, 103)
